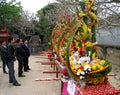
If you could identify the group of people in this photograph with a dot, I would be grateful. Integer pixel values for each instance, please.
(12, 51)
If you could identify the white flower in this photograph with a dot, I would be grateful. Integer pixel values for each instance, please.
(82, 73)
(84, 59)
(78, 73)
(75, 61)
(87, 67)
(82, 77)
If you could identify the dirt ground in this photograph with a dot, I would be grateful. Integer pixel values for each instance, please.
(28, 84)
(32, 87)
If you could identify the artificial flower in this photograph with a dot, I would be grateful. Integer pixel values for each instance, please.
(87, 68)
(88, 44)
(79, 72)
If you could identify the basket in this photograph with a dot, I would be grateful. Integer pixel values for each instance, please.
(98, 76)
(96, 80)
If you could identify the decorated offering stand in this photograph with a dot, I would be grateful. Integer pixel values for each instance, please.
(75, 45)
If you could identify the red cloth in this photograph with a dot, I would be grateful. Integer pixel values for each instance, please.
(64, 91)
(100, 89)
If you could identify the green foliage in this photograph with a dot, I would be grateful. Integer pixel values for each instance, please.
(10, 12)
(44, 10)
(82, 4)
(44, 26)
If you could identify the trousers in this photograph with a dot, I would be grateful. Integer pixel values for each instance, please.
(4, 63)
(20, 67)
(25, 61)
(11, 72)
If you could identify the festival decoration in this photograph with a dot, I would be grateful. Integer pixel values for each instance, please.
(75, 46)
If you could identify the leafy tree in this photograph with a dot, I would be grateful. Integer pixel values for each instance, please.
(44, 26)
(49, 16)
(25, 25)
(10, 13)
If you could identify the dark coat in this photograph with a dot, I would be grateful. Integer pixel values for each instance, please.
(3, 52)
(11, 52)
(19, 52)
(26, 49)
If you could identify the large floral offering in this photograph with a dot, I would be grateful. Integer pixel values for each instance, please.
(92, 70)
(75, 45)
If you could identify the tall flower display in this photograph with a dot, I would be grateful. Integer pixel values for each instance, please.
(74, 42)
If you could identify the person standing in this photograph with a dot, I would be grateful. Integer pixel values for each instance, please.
(3, 51)
(11, 59)
(26, 55)
(20, 55)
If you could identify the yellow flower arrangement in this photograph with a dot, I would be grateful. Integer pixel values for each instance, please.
(93, 69)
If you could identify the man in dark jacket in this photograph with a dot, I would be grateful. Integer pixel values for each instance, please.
(3, 52)
(26, 55)
(20, 55)
(11, 59)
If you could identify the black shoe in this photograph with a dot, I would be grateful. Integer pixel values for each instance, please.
(21, 75)
(5, 72)
(16, 84)
(26, 71)
(10, 82)
(29, 69)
